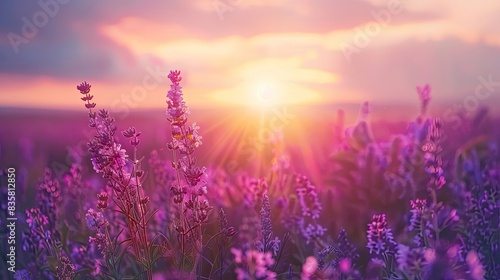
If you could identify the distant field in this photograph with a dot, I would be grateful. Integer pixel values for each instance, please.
(33, 138)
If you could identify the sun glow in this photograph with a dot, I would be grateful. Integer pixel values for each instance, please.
(266, 95)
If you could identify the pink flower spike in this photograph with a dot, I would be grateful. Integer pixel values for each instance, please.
(84, 88)
(174, 76)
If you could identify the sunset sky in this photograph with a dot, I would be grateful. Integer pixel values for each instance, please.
(245, 52)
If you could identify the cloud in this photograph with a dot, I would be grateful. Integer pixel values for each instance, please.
(293, 45)
(451, 66)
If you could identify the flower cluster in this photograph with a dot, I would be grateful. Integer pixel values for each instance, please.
(304, 220)
(102, 200)
(253, 190)
(65, 270)
(310, 231)
(184, 140)
(124, 181)
(380, 238)
(266, 224)
(95, 220)
(133, 135)
(84, 89)
(252, 264)
(433, 160)
(308, 198)
(32, 240)
(177, 110)
(49, 196)
(419, 222)
(411, 260)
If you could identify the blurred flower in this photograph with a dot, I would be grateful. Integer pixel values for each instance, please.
(432, 154)
(22, 275)
(266, 224)
(411, 260)
(95, 220)
(424, 93)
(345, 266)
(35, 218)
(476, 270)
(308, 197)
(308, 268)
(49, 196)
(254, 190)
(102, 200)
(346, 249)
(311, 230)
(253, 264)
(101, 242)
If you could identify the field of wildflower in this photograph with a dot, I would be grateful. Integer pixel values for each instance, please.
(417, 201)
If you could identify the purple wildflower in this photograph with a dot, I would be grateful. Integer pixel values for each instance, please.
(36, 219)
(101, 242)
(95, 220)
(310, 231)
(380, 238)
(84, 89)
(254, 190)
(411, 260)
(308, 198)
(266, 224)
(177, 110)
(49, 196)
(253, 264)
(419, 221)
(476, 270)
(432, 153)
(102, 200)
(185, 139)
(65, 270)
(132, 133)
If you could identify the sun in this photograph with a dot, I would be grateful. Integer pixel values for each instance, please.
(266, 95)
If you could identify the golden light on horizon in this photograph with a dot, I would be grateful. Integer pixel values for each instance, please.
(266, 94)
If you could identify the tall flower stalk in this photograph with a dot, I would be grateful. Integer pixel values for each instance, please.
(110, 160)
(433, 166)
(190, 187)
